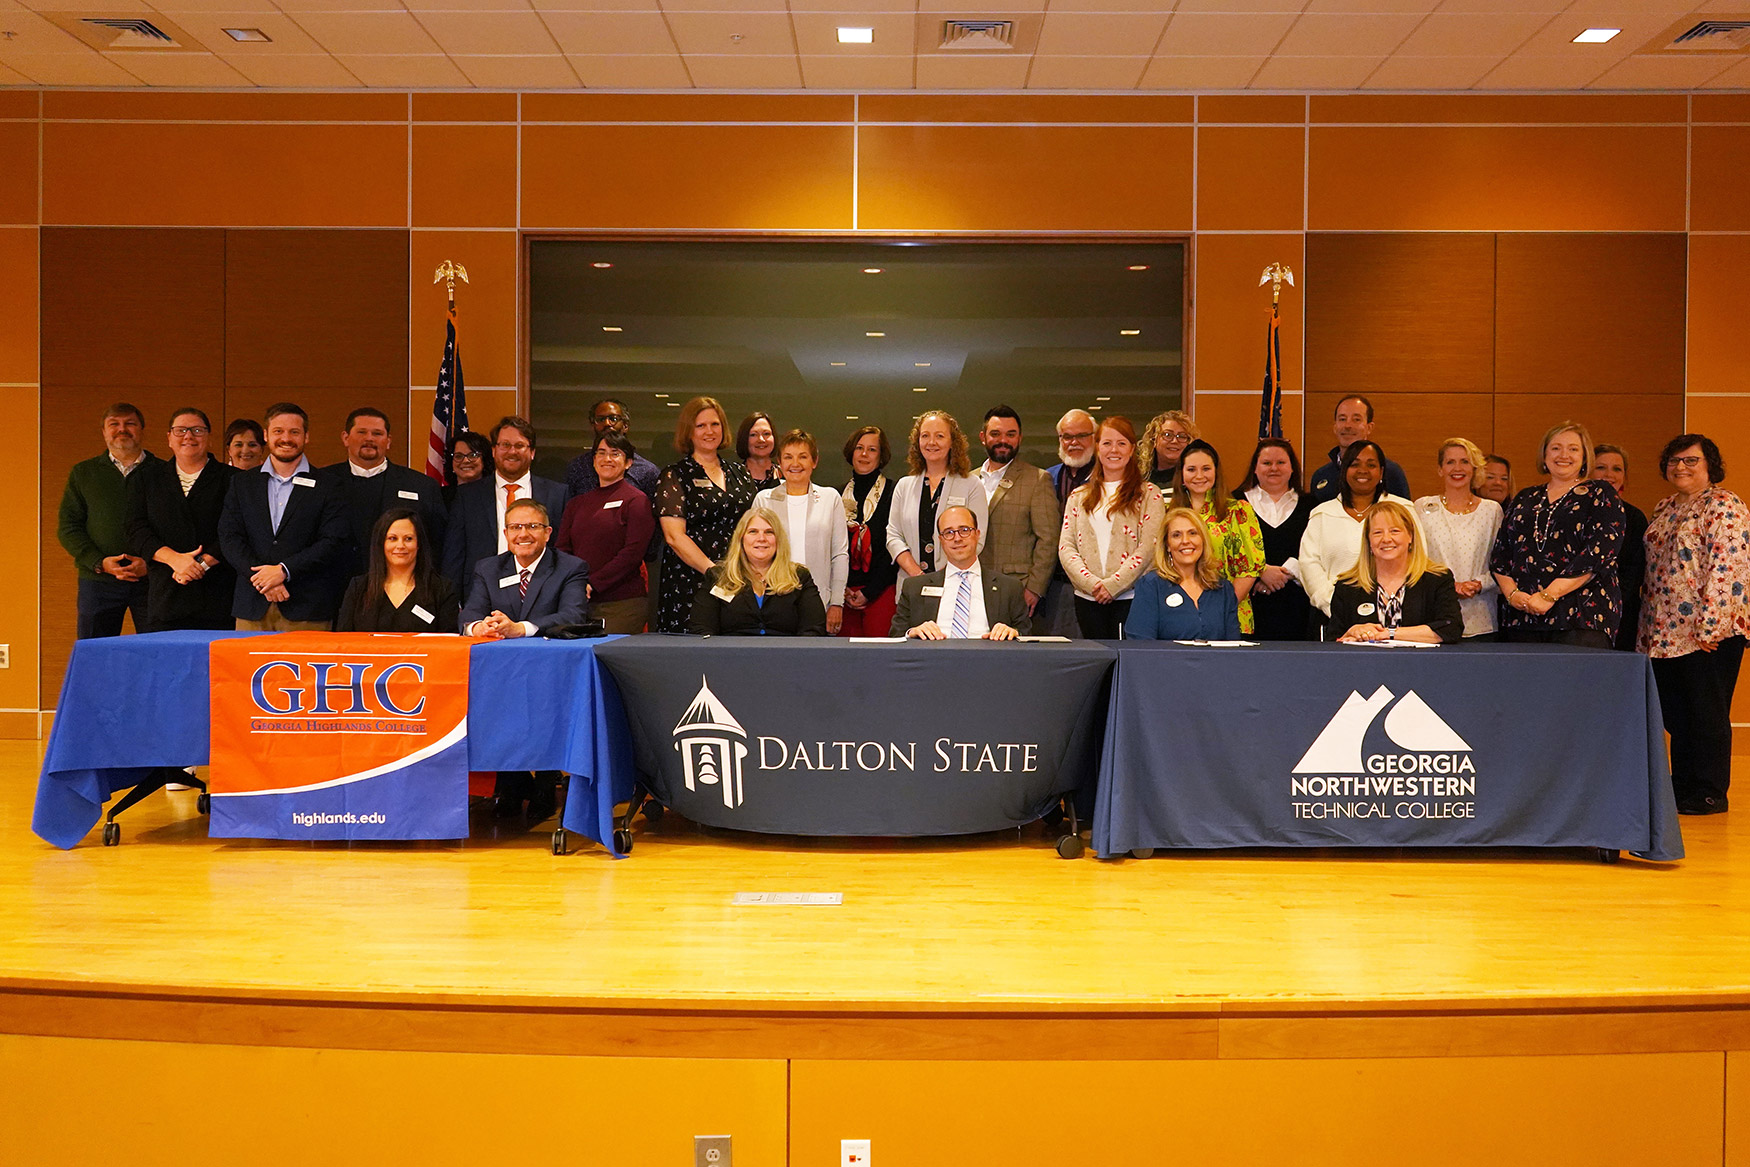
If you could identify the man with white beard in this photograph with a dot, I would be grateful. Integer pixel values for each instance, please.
(1056, 615)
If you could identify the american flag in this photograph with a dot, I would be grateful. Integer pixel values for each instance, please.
(449, 412)
(1270, 410)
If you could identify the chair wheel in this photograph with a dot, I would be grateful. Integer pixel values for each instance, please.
(204, 803)
(653, 811)
(622, 840)
(559, 841)
(112, 833)
(1608, 855)
(1142, 852)
(1070, 847)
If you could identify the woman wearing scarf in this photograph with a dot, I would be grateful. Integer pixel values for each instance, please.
(869, 592)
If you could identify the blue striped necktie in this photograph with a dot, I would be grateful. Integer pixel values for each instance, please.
(962, 608)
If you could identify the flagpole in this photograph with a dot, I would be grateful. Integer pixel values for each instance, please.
(449, 411)
(1270, 409)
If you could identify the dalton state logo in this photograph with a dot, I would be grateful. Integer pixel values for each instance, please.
(712, 744)
(1410, 724)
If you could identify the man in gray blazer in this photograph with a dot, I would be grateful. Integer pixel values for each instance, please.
(1021, 539)
(963, 600)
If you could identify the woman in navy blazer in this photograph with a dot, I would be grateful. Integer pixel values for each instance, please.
(1184, 597)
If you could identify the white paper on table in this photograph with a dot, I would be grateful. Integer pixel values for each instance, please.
(877, 639)
(1389, 643)
(1219, 643)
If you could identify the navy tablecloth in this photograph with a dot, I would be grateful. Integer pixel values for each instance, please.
(133, 703)
(1343, 745)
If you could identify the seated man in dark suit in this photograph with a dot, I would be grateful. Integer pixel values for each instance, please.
(477, 517)
(962, 601)
(370, 483)
(527, 591)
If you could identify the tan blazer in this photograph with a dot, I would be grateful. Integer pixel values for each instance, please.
(1130, 550)
(1024, 522)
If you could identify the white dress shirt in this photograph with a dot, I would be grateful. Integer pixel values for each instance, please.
(529, 628)
(369, 471)
(992, 477)
(977, 624)
(522, 492)
(1275, 512)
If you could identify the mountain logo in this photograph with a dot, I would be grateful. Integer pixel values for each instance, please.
(1410, 724)
(713, 745)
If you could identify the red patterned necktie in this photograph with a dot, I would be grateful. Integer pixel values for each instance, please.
(522, 584)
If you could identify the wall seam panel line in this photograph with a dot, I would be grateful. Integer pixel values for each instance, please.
(1190, 385)
(1245, 392)
(1305, 230)
(521, 362)
(410, 284)
(856, 159)
(37, 496)
(209, 122)
(709, 124)
(1688, 222)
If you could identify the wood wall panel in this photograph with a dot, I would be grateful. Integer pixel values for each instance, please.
(1435, 1111)
(1024, 178)
(1737, 1110)
(227, 106)
(1250, 108)
(464, 176)
(20, 543)
(1399, 313)
(1230, 312)
(1564, 109)
(792, 108)
(465, 107)
(1589, 313)
(486, 306)
(1474, 178)
(18, 171)
(1409, 427)
(215, 175)
(1719, 161)
(19, 325)
(1716, 354)
(1640, 423)
(1247, 178)
(1229, 422)
(1029, 108)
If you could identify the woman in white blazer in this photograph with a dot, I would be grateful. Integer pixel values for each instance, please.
(1332, 542)
(941, 477)
(814, 522)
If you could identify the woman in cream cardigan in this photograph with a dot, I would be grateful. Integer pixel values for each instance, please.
(814, 522)
(1111, 527)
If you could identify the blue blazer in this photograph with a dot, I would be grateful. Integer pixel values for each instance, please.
(1155, 616)
(558, 591)
(473, 530)
(311, 542)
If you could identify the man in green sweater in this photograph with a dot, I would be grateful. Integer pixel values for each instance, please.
(94, 511)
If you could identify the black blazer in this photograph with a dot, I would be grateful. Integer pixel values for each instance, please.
(311, 542)
(365, 500)
(473, 526)
(794, 613)
(1431, 600)
(1003, 602)
(159, 516)
(360, 612)
(558, 591)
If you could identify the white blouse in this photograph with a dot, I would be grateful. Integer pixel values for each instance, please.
(1462, 543)
(1330, 547)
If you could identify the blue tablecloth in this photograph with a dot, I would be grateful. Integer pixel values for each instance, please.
(1350, 746)
(130, 704)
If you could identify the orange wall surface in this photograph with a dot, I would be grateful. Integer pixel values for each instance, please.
(1244, 178)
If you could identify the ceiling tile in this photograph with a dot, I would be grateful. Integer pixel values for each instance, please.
(82, 68)
(1240, 6)
(1111, 34)
(13, 77)
(1638, 28)
(192, 69)
(836, 72)
(1314, 72)
(171, 8)
(726, 7)
(654, 71)
(208, 28)
(1166, 72)
(1160, 8)
(1107, 73)
(1471, 35)
(860, 12)
(1406, 72)
(36, 36)
(371, 33)
(1737, 77)
(817, 34)
(595, 5)
(946, 71)
(976, 11)
(1417, 7)
(1665, 72)
(1223, 34)
(713, 33)
(421, 7)
(92, 7)
(405, 71)
(1519, 7)
(292, 71)
(744, 72)
(545, 71)
(1532, 71)
(1317, 35)
(489, 33)
(1673, 9)
(605, 33)
(296, 8)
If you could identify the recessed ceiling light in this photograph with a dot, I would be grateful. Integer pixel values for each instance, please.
(1139, 267)
(921, 364)
(920, 389)
(600, 264)
(1130, 332)
(856, 36)
(874, 334)
(1102, 399)
(850, 417)
(672, 404)
(871, 271)
(1092, 408)
(612, 328)
(838, 364)
(1596, 36)
(248, 34)
(662, 395)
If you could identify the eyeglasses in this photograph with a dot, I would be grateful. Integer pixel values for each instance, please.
(507, 448)
(958, 532)
(1688, 461)
(459, 456)
(1081, 437)
(519, 528)
(1174, 438)
(188, 431)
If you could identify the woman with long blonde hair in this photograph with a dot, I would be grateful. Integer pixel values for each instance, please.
(1394, 591)
(1461, 526)
(758, 590)
(1185, 597)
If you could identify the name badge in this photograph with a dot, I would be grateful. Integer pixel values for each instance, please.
(423, 614)
(608, 506)
(509, 581)
(703, 482)
(1365, 609)
(300, 480)
(1174, 600)
(408, 494)
(723, 593)
(936, 593)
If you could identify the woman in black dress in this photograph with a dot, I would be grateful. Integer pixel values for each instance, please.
(1280, 609)
(869, 593)
(756, 444)
(699, 500)
(402, 590)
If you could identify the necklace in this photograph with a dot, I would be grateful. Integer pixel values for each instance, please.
(1445, 502)
(1543, 517)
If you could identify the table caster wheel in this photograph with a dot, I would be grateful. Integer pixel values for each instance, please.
(559, 841)
(622, 840)
(653, 811)
(204, 803)
(1142, 852)
(112, 833)
(1608, 855)
(1069, 847)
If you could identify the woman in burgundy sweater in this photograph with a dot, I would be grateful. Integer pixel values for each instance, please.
(610, 529)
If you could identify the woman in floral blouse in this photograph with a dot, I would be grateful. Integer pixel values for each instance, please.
(1695, 613)
(1555, 555)
(1238, 541)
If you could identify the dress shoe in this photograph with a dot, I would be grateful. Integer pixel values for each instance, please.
(1702, 806)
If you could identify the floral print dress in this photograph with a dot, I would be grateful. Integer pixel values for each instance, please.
(685, 491)
(1240, 542)
(1697, 587)
(1578, 534)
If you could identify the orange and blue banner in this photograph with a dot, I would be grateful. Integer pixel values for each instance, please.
(318, 735)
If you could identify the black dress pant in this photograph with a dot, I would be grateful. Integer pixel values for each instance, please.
(1695, 693)
(1101, 621)
(103, 603)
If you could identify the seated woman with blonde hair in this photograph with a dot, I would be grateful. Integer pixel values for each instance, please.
(1394, 591)
(1185, 596)
(758, 590)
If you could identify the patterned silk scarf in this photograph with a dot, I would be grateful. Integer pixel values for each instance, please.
(859, 516)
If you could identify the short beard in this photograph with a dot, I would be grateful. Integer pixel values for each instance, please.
(1074, 462)
(1002, 459)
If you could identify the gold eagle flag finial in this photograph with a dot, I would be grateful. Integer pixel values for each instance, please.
(451, 271)
(1274, 275)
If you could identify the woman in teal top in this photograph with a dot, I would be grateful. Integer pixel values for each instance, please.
(1185, 596)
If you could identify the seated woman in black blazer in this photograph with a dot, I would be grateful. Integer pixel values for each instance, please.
(1394, 591)
(758, 590)
(403, 590)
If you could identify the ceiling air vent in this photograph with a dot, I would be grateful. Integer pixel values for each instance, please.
(1722, 32)
(123, 33)
(133, 33)
(977, 35)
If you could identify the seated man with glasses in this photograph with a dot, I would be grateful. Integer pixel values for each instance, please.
(961, 601)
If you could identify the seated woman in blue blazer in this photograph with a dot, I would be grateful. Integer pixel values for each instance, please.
(1184, 597)
(1394, 591)
(757, 590)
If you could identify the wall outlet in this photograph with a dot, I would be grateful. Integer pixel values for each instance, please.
(710, 1151)
(5, 656)
(853, 1153)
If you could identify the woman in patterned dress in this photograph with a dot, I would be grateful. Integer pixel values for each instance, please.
(1460, 527)
(699, 500)
(1555, 557)
(1694, 616)
(1238, 541)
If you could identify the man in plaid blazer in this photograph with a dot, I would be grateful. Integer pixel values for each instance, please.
(1024, 512)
